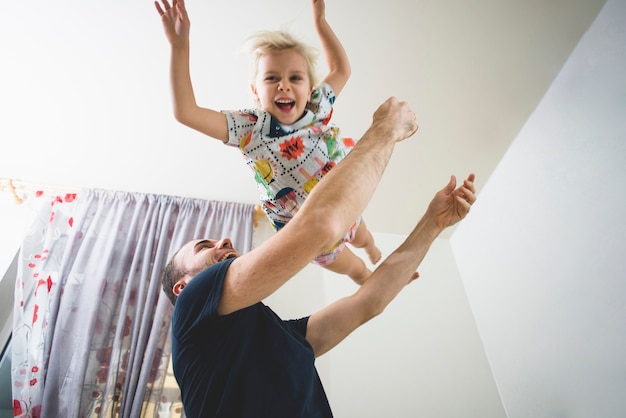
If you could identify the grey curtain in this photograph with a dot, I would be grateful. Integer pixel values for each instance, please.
(91, 324)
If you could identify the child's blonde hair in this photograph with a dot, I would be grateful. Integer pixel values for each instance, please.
(266, 42)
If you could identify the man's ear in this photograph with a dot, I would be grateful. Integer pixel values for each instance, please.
(178, 287)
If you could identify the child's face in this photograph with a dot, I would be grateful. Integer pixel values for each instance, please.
(282, 85)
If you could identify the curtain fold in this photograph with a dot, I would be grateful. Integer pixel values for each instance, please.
(91, 324)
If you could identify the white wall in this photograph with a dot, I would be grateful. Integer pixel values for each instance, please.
(542, 254)
(421, 358)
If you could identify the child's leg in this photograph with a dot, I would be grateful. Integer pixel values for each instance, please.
(364, 239)
(349, 264)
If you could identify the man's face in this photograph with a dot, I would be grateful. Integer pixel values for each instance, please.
(197, 255)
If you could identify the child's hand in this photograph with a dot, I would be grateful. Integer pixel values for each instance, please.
(175, 21)
(319, 12)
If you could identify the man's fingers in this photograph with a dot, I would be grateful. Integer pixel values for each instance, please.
(465, 205)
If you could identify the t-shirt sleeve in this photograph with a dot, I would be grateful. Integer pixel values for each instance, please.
(241, 124)
(321, 102)
(299, 325)
(326, 93)
(200, 298)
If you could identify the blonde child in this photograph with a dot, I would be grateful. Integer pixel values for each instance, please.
(287, 140)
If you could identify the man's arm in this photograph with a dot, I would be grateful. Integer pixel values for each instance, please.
(326, 214)
(336, 58)
(176, 24)
(332, 324)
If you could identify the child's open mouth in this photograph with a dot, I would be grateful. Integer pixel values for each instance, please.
(285, 105)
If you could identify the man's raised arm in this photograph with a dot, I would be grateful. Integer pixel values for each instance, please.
(326, 215)
(335, 322)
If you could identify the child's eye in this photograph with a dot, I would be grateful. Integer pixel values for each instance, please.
(271, 78)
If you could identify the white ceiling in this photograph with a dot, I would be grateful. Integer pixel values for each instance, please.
(473, 71)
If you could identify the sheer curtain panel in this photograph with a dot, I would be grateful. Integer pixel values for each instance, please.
(91, 324)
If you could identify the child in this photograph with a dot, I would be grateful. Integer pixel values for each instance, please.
(287, 141)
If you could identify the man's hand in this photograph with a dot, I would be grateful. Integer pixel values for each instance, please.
(397, 118)
(450, 205)
(175, 21)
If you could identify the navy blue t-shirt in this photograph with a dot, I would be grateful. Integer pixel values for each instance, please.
(249, 363)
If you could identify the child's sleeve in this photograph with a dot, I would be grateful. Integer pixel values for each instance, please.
(240, 127)
(322, 100)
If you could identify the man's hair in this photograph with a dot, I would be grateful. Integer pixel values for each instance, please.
(266, 42)
(171, 274)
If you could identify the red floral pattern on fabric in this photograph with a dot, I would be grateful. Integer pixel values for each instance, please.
(35, 294)
(110, 305)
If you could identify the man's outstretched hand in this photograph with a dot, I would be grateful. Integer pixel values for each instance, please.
(452, 204)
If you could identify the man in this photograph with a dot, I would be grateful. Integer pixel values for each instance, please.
(232, 355)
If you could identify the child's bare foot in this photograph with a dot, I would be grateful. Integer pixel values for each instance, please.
(364, 239)
(373, 253)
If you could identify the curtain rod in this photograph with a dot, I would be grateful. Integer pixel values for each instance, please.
(20, 188)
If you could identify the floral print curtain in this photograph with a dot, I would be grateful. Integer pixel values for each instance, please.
(91, 323)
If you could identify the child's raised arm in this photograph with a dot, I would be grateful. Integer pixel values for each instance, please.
(334, 54)
(176, 24)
